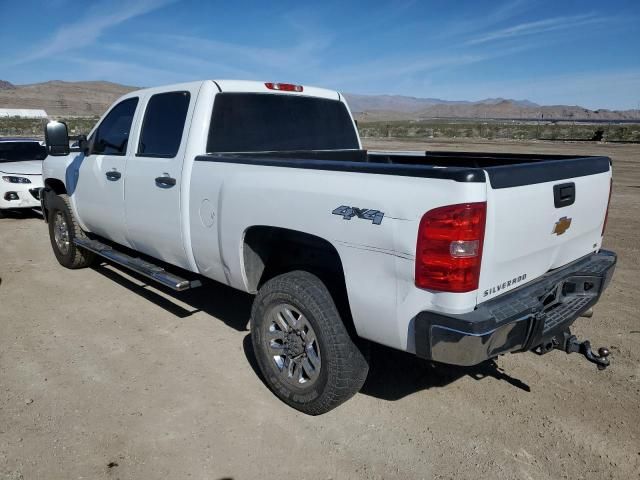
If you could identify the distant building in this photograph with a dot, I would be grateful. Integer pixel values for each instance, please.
(22, 113)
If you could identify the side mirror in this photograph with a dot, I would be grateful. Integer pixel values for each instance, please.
(56, 137)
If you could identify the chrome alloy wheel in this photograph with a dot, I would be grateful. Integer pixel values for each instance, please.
(292, 346)
(61, 233)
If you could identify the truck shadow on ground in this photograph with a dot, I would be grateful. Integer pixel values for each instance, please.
(392, 375)
(231, 306)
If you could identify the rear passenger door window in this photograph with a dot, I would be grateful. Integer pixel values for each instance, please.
(112, 135)
(163, 125)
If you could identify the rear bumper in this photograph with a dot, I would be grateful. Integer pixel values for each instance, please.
(520, 320)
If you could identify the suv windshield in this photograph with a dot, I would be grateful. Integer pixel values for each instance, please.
(19, 151)
(254, 122)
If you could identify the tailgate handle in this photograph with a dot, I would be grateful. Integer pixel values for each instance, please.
(564, 194)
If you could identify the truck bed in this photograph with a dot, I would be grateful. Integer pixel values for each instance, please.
(504, 169)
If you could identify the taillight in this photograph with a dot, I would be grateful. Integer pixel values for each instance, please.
(284, 87)
(606, 215)
(449, 247)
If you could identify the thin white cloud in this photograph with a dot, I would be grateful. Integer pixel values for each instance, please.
(217, 58)
(393, 74)
(82, 33)
(390, 69)
(509, 9)
(303, 51)
(194, 62)
(137, 75)
(538, 27)
(464, 25)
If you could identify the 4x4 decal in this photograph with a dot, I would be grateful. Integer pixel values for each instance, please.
(347, 213)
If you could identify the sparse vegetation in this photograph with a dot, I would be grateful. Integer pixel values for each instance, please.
(28, 127)
(501, 130)
(34, 127)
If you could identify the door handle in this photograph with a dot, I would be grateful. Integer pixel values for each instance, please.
(165, 181)
(113, 175)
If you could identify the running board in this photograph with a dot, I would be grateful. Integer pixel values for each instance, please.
(149, 270)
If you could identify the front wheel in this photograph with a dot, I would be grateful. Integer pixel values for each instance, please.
(63, 229)
(302, 346)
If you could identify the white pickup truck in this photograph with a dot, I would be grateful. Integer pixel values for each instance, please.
(455, 257)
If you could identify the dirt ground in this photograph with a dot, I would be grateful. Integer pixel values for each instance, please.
(105, 376)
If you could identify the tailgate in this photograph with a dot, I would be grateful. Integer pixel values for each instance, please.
(540, 217)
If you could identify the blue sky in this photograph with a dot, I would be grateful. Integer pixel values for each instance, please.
(551, 52)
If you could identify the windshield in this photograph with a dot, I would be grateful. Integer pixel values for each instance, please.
(19, 151)
(254, 122)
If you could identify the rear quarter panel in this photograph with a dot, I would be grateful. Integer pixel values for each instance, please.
(378, 260)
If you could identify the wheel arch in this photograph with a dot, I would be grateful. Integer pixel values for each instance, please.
(270, 251)
(52, 186)
(56, 185)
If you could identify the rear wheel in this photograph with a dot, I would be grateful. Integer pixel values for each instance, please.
(302, 346)
(63, 229)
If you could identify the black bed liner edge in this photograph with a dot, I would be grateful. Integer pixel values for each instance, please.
(549, 168)
(507, 176)
(458, 174)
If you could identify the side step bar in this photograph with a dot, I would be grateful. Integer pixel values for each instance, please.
(149, 270)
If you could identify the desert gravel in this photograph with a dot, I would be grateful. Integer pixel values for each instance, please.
(105, 376)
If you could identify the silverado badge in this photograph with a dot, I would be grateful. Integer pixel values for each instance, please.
(562, 226)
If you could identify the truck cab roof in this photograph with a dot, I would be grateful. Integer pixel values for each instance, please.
(246, 86)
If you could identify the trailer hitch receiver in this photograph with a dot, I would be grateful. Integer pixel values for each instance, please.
(569, 343)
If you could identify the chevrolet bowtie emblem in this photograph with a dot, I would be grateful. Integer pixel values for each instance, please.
(562, 226)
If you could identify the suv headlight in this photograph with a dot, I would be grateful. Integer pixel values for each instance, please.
(13, 179)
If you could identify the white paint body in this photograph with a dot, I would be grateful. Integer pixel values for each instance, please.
(200, 224)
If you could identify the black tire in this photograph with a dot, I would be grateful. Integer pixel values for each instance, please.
(343, 367)
(70, 256)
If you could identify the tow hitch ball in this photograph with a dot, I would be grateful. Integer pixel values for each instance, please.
(570, 344)
(574, 345)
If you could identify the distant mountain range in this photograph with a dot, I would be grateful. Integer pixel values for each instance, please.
(400, 103)
(397, 107)
(60, 98)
